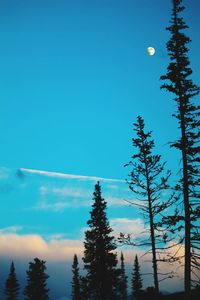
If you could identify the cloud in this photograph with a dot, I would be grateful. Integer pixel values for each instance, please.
(59, 206)
(112, 186)
(59, 252)
(4, 173)
(64, 191)
(75, 202)
(33, 245)
(60, 198)
(10, 229)
(115, 201)
(69, 176)
(125, 225)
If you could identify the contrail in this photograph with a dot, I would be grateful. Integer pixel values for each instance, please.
(69, 176)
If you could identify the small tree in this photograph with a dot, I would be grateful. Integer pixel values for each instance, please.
(12, 286)
(136, 282)
(36, 281)
(75, 279)
(122, 286)
(147, 182)
(99, 258)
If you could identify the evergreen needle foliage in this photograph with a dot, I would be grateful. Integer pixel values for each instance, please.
(147, 181)
(122, 280)
(177, 81)
(36, 281)
(136, 282)
(99, 258)
(75, 279)
(12, 286)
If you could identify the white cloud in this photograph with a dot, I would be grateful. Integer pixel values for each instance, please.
(68, 197)
(125, 225)
(75, 202)
(69, 176)
(4, 173)
(10, 229)
(64, 191)
(32, 245)
(115, 201)
(112, 186)
(58, 206)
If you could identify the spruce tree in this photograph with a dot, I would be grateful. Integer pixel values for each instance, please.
(99, 258)
(36, 281)
(75, 280)
(84, 288)
(147, 182)
(12, 286)
(122, 280)
(136, 281)
(178, 81)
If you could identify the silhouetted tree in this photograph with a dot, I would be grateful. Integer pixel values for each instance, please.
(12, 286)
(136, 281)
(84, 291)
(36, 281)
(147, 181)
(187, 115)
(99, 259)
(122, 286)
(151, 294)
(75, 280)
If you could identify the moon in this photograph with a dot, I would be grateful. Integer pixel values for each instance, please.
(151, 50)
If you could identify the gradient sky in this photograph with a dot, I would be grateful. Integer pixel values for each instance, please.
(74, 75)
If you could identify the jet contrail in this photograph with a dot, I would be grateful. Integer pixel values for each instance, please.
(69, 176)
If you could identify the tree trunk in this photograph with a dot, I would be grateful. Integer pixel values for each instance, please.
(186, 207)
(154, 260)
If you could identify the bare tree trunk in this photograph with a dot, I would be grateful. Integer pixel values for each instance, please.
(153, 244)
(186, 208)
(154, 260)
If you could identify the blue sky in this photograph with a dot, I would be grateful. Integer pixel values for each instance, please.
(74, 76)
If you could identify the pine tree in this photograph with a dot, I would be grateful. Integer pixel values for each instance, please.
(122, 281)
(12, 286)
(99, 259)
(75, 280)
(187, 113)
(147, 181)
(36, 281)
(136, 282)
(84, 288)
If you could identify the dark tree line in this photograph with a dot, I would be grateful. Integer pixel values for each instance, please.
(104, 279)
(36, 282)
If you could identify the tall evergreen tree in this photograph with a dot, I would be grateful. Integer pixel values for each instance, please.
(12, 286)
(84, 291)
(99, 258)
(177, 81)
(136, 281)
(36, 281)
(122, 280)
(75, 280)
(147, 181)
